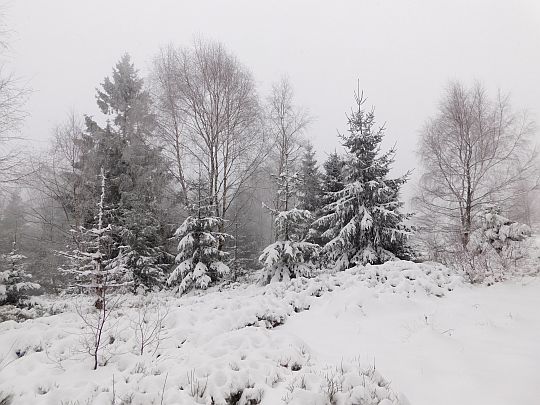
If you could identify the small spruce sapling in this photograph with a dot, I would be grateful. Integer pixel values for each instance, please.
(290, 255)
(200, 259)
(14, 281)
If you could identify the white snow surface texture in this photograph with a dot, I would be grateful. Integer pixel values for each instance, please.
(395, 334)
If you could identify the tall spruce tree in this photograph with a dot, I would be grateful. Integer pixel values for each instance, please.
(136, 173)
(363, 221)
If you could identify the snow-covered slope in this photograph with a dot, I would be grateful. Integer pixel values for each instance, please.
(373, 335)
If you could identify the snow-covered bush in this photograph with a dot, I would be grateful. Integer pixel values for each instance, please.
(496, 249)
(200, 257)
(14, 281)
(291, 255)
(499, 233)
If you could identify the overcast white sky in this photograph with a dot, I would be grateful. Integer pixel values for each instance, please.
(403, 53)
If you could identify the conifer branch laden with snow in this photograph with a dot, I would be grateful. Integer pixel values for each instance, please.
(331, 182)
(362, 222)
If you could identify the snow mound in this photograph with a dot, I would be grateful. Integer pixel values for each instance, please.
(399, 277)
(408, 278)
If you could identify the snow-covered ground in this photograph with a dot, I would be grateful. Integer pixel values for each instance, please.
(478, 345)
(393, 334)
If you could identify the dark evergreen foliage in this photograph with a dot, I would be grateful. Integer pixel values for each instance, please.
(137, 178)
(310, 192)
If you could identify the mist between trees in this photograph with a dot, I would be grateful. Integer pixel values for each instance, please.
(190, 176)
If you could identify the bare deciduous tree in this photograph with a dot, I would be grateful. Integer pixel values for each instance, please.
(286, 123)
(211, 98)
(168, 103)
(55, 179)
(13, 96)
(474, 151)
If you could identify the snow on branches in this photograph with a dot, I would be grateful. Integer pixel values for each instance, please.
(496, 249)
(497, 231)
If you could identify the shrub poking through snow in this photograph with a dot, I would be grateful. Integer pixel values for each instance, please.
(147, 324)
(14, 281)
(290, 256)
(200, 257)
(363, 222)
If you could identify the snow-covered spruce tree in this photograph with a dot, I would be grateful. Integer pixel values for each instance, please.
(14, 281)
(362, 222)
(144, 250)
(310, 181)
(290, 255)
(200, 260)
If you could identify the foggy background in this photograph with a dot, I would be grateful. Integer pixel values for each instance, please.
(403, 53)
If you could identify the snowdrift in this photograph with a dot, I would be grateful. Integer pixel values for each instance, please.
(220, 347)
